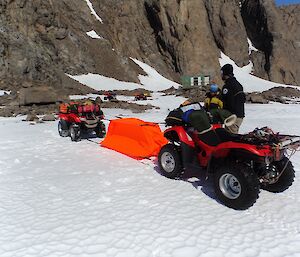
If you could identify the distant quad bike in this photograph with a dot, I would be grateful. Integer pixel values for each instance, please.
(140, 97)
(110, 96)
(75, 119)
(240, 165)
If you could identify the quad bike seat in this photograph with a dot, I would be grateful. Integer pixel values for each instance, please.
(217, 136)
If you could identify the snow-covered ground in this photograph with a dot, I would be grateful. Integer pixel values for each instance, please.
(60, 198)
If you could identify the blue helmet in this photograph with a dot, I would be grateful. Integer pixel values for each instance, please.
(214, 88)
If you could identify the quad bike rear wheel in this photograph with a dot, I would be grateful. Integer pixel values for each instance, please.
(75, 132)
(100, 130)
(169, 161)
(236, 185)
(63, 129)
(285, 180)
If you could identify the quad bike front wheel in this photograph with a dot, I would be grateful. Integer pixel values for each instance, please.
(236, 185)
(63, 129)
(286, 178)
(75, 132)
(169, 161)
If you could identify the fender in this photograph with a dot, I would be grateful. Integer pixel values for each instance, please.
(70, 117)
(181, 134)
(187, 146)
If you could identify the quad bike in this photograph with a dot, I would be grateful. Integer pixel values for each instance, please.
(140, 97)
(110, 96)
(240, 165)
(75, 123)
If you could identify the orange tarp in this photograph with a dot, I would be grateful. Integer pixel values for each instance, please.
(134, 137)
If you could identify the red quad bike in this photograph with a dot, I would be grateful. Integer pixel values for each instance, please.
(240, 165)
(82, 119)
(140, 97)
(110, 96)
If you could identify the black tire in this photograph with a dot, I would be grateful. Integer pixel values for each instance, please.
(100, 130)
(285, 180)
(169, 161)
(236, 185)
(63, 129)
(75, 132)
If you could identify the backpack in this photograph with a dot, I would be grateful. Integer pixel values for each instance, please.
(174, 118)
(64, 108)
(74, 107)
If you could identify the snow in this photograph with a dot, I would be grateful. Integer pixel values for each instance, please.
(156, 99)
(249, 82)
(153, 78)
(153, 81)
(93, 34)
(99, 82)
(60, 198)
(93, 12)
(251, 46)
(3, 92)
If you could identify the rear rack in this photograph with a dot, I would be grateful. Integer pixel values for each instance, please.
(290, 141)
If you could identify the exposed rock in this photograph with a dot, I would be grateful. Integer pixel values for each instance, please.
(6, 112)
(125, 105)
(129, 92)
(257, 98)
(281, 94)
(183, 35)
(32, 117)
(98, 100)
(193, 94)
(170, 91)
(48, 117)
(269, 32)
(228, 29)
(38, 95)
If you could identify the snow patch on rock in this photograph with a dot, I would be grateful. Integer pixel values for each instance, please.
(249, 82)
(93, 12)
(93, 34)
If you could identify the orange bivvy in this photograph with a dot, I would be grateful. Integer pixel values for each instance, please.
(135, 138)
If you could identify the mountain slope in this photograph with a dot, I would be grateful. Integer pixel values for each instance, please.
(42, 40)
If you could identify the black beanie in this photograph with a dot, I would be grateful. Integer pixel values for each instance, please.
(227, 69)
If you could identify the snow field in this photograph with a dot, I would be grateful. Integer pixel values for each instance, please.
(64, 199)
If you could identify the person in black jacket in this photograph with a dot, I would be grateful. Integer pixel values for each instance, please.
(233, 97)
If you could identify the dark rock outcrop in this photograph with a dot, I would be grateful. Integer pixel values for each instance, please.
(279, 55)
(42, 41)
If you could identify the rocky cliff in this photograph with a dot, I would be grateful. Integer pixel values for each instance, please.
(41, 41)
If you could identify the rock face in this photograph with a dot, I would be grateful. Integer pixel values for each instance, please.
(42, 41)
(268, 28)
(228, 29)
(38, 95)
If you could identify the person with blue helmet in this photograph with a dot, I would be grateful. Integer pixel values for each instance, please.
(212, 100)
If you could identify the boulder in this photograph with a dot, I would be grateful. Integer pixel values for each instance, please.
(38, 95)
(257, 98)
(32, 117)
(48, 117)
